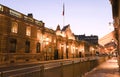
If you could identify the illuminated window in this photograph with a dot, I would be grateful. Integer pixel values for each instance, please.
(14, 28)
(1, 8)
(28, 31)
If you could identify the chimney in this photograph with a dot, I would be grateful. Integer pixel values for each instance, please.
(30, 15)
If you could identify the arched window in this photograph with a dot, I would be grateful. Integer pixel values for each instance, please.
(28, 31)
(14, 27)
(38, 47)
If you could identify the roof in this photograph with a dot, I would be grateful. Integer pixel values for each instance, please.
(65, 27)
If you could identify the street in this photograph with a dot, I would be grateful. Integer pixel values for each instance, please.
(107, 69)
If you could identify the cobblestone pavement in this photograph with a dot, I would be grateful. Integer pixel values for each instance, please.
(107, 69)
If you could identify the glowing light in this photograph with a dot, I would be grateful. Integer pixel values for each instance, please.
(67, 46)
(28, 30)
(14, 28)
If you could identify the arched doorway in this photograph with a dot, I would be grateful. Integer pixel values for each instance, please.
(56, 54)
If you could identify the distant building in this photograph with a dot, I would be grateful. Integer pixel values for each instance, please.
(106, 43)
(107, 38)
(91, 43)
(93, 39)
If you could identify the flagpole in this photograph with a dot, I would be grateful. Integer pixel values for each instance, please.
(63, 21)
(63, 15)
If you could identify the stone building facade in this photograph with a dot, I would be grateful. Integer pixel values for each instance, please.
(23, 39)
(116, 17)
(91, 44)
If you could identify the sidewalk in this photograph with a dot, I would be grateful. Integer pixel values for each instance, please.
(107, 69)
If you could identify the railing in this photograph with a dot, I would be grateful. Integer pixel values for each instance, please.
(8, 58)
(19, 15)
(59, 68)
(14, 13)
(38, 22)
(29, 19)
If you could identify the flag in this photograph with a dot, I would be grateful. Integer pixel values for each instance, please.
(63, 10)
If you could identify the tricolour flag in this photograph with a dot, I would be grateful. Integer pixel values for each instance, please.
(63, 9)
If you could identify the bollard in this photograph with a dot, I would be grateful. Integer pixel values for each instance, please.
(73, 68)
(61, 69)
(42, 71)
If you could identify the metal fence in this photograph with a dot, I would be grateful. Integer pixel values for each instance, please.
(64, 68)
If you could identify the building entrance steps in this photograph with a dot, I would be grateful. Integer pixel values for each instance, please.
(107, 69)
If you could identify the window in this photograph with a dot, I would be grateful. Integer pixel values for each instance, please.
(38, 48)
(27, 46)
(13, 43)
(28, 31)
(14, 28)
(1, 8)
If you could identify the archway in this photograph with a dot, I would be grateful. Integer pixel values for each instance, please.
(56, 54)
